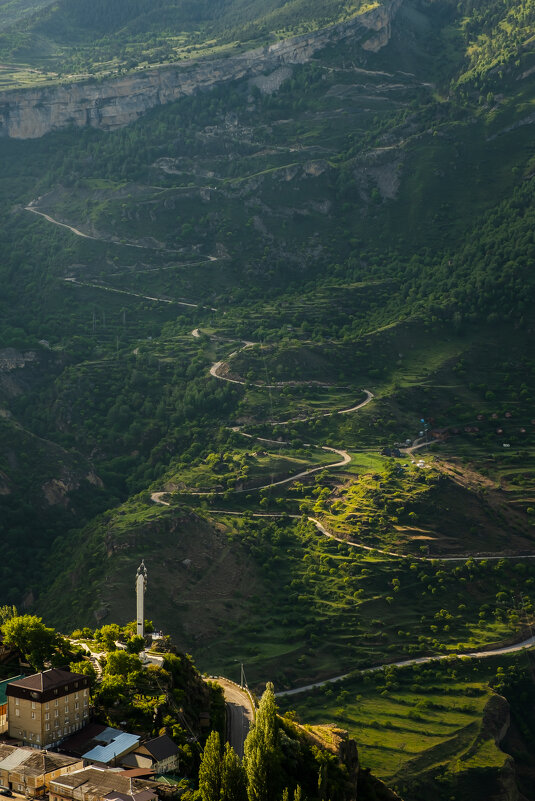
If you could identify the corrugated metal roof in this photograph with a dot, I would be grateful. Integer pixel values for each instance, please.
(142, 795)
(5, 750)
(116, 744)
(16, 758)
(42, 762)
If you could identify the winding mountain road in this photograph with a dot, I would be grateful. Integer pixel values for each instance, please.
(135, 294)
(422, 660)
(76, 231)
(215, 371)
(346, 458)
(240, 712)
(32, 207)
(157, 497)
(240, 709)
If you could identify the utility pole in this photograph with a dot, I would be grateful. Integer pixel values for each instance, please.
(243, 680)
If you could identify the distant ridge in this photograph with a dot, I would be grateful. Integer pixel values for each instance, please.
(32, 113)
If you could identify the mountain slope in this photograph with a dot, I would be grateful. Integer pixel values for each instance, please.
(248, 300)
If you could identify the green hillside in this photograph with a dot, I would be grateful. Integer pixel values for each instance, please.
(73, 38)
(276, 339)
(13, 10)
(473, 45)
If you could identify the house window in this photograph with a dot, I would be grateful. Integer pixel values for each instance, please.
(57, 713)
(47, 715)
(33, 715)
(33, 704)
(76, 704)
(47, 705)
(20, 787)
(48, 726)
(17, 701)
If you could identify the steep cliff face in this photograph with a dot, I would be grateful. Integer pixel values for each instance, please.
(29, 114)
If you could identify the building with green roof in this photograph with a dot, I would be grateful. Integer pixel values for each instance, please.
(3, 701)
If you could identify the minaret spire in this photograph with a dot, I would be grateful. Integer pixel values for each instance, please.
(141, 585)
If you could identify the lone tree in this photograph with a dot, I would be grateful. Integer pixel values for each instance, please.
(37, 642)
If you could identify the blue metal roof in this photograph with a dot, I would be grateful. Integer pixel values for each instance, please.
(114, 743)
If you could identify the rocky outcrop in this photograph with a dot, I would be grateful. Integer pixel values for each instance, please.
(496, 719)
(110, 104)
(14, 378)
(11, 359)
(56, 490)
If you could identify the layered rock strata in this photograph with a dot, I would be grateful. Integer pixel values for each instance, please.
(113, 103)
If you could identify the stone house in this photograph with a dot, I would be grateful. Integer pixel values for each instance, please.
(99, 783)
(45, 708)
(159, 755)
(28, 771)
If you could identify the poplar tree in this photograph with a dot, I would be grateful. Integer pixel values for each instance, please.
(210, 769)
(261, 755)
(233, 779)
(298, 794)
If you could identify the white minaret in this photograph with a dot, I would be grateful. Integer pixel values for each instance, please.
(141, 584)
